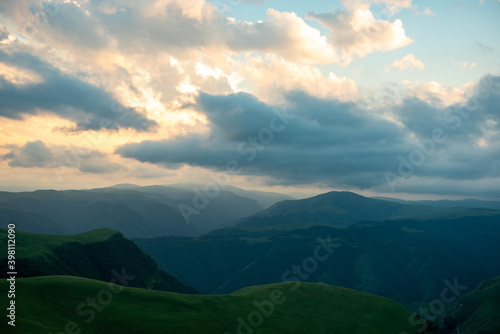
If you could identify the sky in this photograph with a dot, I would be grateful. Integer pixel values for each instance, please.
(394, 98)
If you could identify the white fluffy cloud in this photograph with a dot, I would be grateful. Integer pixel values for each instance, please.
(437, 94)
(408, 62)
(394, 5)
(273, 77)
(356, 32)
(391, 5)
(179, 27)
(284, 34)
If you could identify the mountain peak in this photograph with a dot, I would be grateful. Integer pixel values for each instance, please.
(337, 208)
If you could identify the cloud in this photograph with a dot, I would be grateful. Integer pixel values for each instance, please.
(482, 1)
(356, 32)
(463, 64)
(427, 12)
(467, 121)
(19, 76)
(68, 23)
(273, 77)
(176, 27)
(32, 154)
(326, 141)
(88, 106)
(485, 48)
(99, 164)
(38, 154)
(253, 2)
(284, 34)
(236, 117)
(4, 34)
(392, 4)
(439, 95)
(193, 89)
(173, 154)
(408, 62)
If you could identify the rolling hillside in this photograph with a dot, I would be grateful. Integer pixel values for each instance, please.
(405, 260)
(51, 304)
(102, 254)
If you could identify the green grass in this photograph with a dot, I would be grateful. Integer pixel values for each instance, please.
(480, 309)
(33, 245)
(47, 304)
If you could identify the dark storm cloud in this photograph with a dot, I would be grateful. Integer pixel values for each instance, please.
(319, 122)
(465, 121)
(313, 140)
(193, 150)
(32, 154)
(336, 143)
(38, 154)
(88, 106)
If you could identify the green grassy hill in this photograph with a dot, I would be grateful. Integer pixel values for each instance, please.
(478, 311)
(49, 304)
(33, 245)
(96, 254)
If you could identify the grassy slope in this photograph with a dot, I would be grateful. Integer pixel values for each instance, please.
(32, 245)
(94, 254)
(480, 309)
(46, 304)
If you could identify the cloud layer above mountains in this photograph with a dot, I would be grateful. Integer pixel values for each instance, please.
(175, 90)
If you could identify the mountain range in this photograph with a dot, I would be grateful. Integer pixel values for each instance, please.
(344, 262)
(133, 210)
(405, 254)
(344, 209)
